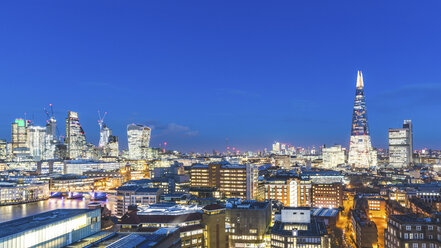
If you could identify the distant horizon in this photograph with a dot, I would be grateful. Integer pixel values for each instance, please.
(251, 72)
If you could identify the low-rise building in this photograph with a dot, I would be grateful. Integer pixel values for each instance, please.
(135, 195)
(294, 227)
(14, 193)
(364, 229)
(409, 231)
(247, 222)
(57, 228)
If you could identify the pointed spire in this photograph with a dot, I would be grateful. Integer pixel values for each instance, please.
(360, 83)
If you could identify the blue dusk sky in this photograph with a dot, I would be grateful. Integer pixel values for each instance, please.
(199, 72)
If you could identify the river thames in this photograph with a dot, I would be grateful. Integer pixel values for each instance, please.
(22, 210)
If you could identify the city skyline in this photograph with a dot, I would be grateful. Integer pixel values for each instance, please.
(224, 70)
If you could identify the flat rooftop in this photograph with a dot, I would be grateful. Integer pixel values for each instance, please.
(38, 220)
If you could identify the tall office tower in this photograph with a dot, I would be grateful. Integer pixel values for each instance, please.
(75, 138)
(20, 136)
(138, 138)
(400, 146)
(36, 139)
(105, 133)
(408, 124)
(361, 154)
(276, 147)
(51, 127)
(112, 147)
(3, 149)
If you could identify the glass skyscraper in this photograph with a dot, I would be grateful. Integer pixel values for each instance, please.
(361, 153)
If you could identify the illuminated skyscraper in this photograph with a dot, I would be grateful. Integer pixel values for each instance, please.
(75, 140)
(138, 139)
(105, 133)
(400, 146)
(20, 142)
(36, 137)
(361, 154)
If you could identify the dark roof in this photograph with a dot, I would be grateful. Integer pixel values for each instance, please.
(133, 218)
(213, 207)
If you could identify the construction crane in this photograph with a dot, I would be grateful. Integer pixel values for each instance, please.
(101, 119)
(51, 120)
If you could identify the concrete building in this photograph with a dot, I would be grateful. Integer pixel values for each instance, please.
(401, 146)
(214, 221)
(283, 189)
(231, 181)
(408, 231)
(327, 195)
(247, 222)
(57, 228)
(364, 229)
(135, 195)
(294, 227)
(138, 140)
(187, 218)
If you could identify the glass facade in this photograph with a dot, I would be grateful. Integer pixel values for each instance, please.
(71, 226)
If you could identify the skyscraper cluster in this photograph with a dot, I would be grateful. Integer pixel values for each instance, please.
(30, 142)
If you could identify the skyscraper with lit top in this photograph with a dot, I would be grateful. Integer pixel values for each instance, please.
(361, 153)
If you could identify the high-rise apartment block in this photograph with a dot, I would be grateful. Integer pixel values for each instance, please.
(401, 146)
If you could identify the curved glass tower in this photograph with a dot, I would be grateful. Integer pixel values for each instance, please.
(361, 153)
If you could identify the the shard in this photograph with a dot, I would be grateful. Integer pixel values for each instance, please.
(361, 154)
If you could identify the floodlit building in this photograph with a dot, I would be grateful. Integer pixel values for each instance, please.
(361, 153)
(112, 147)
(401, 146)
(20, 145)
(75, 140)
(105, 133)
(333, 156)
(57, 228)
(13, 193)
(36, 137)
(138, 140)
